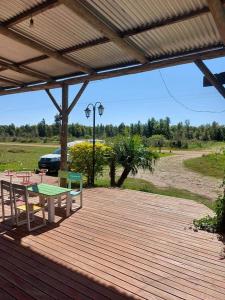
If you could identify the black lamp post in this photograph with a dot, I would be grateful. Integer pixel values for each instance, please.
(88, 113)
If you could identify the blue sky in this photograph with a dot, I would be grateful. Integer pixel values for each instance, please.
(129, 99)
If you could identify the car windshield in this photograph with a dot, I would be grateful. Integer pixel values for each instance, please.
(57, 151)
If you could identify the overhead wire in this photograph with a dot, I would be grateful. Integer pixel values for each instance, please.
(181, 103)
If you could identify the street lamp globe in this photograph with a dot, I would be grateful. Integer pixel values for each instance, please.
(100, 109)
(87, 112)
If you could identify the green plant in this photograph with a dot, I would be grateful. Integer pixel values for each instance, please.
(82, 160)
(130, 153)
(217, 222)
(207, 223)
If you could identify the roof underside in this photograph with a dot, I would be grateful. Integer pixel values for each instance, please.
(65, 43)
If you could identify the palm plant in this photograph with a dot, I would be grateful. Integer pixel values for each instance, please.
(130, 153)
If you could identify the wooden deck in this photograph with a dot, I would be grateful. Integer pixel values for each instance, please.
(122, 245)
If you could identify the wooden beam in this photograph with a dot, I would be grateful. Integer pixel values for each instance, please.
(47, 51)
(169, 62)
(33, 11)
(64, 133)
(210, 76)
(12, 81)
(54, 101)
(23, 70)
(218, 12)
(77, 97)
(96, 21)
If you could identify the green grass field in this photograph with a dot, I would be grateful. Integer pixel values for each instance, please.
(19, 157)
(208, 165)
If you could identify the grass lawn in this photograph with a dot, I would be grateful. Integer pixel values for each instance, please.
(208, 165)
(18, 157)
(146, 186)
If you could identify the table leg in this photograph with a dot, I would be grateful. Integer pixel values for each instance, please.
(68, 204)
(51, 210)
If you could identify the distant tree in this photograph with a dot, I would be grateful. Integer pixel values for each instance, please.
(157, 140)
(42, 128)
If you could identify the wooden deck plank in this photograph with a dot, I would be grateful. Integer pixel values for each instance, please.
(121, 245)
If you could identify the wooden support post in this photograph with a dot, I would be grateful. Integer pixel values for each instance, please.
(64, 132)
(210, 76)
(64, 113)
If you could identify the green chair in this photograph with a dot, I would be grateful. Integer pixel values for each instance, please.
(72, 177)
(75, 178)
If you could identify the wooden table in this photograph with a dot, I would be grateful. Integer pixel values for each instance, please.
(50, 192)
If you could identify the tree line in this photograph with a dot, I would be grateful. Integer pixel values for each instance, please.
(179, 133)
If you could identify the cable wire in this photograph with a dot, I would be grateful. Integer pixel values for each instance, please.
(182, 104)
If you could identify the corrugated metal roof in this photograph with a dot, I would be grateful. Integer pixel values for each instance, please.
(52, 67)
(195, 33)
(58, 28)
(101, 55)
(15, 51)
(9, 8)
(4, 84)
(127, 14)
(18, 76)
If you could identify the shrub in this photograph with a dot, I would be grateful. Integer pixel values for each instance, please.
(82, 160)
(217, 222)
(131, 154)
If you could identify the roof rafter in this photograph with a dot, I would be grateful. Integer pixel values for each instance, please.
(96, 21)
(170, 61)
(47, 51)
(218, 12)
(6, 64)
(11, 81)
(210, 76)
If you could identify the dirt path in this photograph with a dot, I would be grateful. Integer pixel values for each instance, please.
(170, 171)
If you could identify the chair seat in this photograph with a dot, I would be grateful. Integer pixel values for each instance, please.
(75, 193)
(32, 207)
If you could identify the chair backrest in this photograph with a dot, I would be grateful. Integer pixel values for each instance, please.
(74, 177)
(6, 186)
(19, 194)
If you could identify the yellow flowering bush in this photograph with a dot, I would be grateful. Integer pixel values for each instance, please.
(81, 158)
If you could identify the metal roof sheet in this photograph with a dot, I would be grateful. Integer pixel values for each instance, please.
(17, 76)
(5, 84)
(110, 54)
(52, 67)
(9, 8)
(126, 14)
(195, 33)
(15, 51)
(58, 28)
